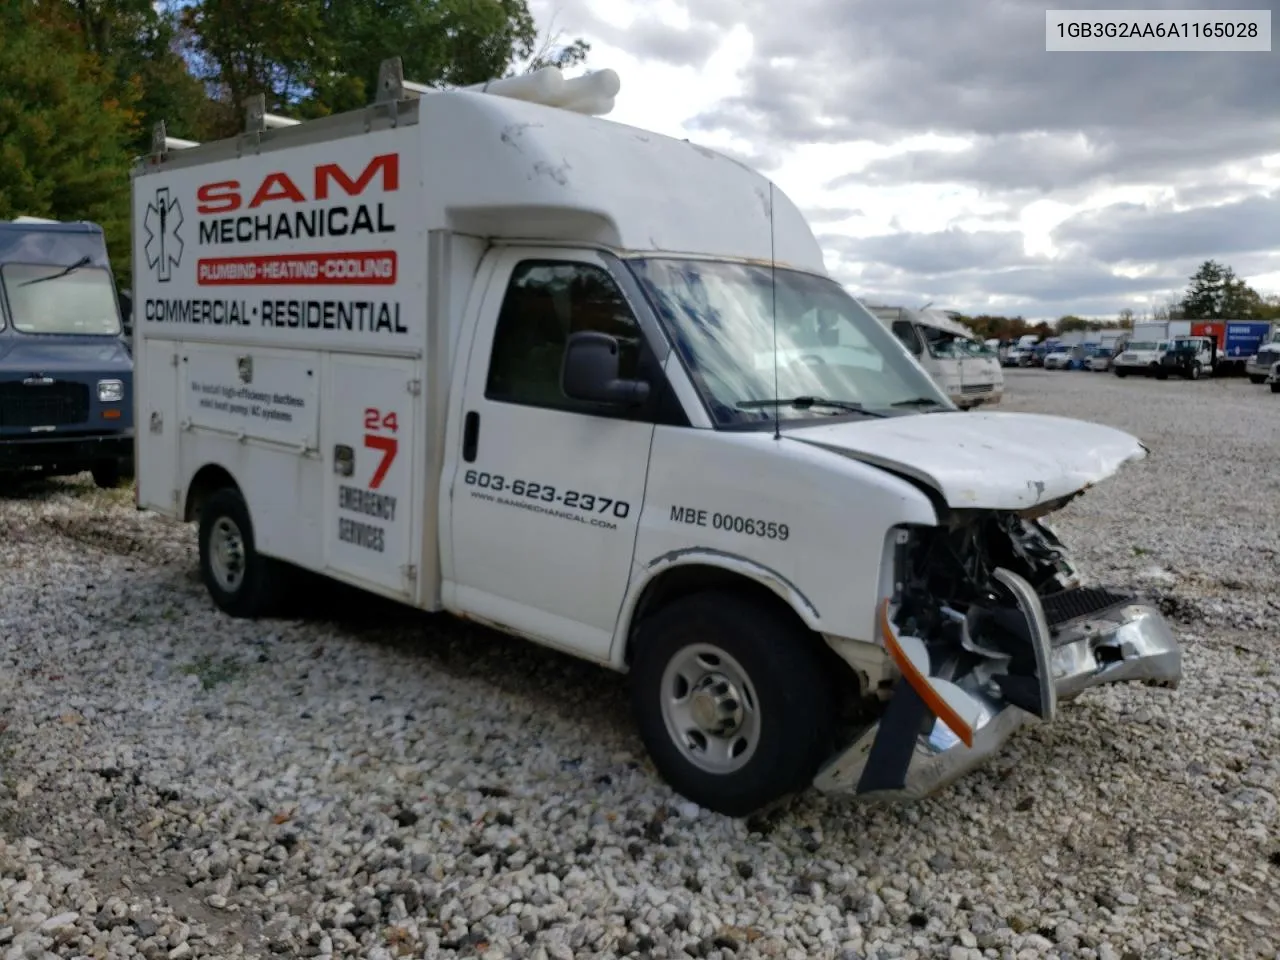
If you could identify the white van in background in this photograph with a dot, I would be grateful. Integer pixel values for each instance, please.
(960, 363)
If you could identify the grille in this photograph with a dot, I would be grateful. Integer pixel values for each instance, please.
(1267, 357)
(976, 388)
(57, 404)
(1068, 605)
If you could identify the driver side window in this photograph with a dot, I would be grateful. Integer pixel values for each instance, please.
(545, 301)
(907, 334)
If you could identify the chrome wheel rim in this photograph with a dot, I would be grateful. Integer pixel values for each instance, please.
(226, 554)
(711, 709)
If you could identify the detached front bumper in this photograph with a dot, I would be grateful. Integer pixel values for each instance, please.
(1087, 636)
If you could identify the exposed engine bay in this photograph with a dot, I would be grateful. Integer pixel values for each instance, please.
(954, 593)
(989, 628)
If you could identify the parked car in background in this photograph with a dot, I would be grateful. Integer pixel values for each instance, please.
(1101, 359)
(1060, 358)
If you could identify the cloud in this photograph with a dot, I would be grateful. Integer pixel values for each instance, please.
(939, 152)
(931, 254)
(1128, 232)
(828, 71)
(817, 215)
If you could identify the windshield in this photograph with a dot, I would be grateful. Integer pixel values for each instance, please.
(82, 301)
(829, 347)
(950, 346)
(1142, 345)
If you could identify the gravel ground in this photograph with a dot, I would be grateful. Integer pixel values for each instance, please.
(178, 784)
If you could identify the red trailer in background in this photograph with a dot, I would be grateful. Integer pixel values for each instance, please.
(1211, 328)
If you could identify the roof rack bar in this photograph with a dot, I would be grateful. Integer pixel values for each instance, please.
(256, 118)
(162, 143)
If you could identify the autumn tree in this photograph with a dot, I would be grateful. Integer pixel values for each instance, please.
(64, 126)
(138, 42)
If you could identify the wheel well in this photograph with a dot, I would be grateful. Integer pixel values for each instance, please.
(688, 579)
(208, 480)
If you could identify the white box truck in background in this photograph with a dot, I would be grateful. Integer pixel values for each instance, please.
(593, 386)
(960, 363)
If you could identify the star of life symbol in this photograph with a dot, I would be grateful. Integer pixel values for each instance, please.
(164, 243)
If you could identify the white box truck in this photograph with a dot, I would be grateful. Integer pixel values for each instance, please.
(966, 369)
(503, 359)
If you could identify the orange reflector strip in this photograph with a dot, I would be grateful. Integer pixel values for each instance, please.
(110, 414)
(943, 710)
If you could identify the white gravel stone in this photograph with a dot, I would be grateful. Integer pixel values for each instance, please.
(175, 783)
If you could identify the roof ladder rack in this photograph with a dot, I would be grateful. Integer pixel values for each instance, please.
(591, 93)
(256, 118)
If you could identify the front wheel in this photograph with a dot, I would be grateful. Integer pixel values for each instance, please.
(241, 581)
(733, 701)
(1275, 388)
(1120, 373)
(1256, 380)
(107, 474)
(1196, 369)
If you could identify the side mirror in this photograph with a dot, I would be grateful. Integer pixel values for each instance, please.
(590, 371)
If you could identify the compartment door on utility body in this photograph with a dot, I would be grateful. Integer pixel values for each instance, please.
(547, 491)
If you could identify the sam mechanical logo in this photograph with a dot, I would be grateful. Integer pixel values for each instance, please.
(163, 222)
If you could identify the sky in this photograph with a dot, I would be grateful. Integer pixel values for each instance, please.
(941, 155)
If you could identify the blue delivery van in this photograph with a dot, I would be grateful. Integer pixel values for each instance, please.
(66, 373)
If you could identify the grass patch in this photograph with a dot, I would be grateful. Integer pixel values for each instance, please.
(211, 672)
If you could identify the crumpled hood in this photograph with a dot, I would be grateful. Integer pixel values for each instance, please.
(984, 460)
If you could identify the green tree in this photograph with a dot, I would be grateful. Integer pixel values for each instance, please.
(1216, 293)
(316, 57)
(64, 127)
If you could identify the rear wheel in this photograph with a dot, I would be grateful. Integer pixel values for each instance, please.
(1255, 380)
(732, 699)
(1275, 388)
(242, 582)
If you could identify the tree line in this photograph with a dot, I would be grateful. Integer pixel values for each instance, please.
(1214, 292)
(83, 82)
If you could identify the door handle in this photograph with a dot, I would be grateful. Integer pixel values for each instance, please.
(470, 436)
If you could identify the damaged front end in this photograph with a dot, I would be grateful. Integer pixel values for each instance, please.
(989, 629)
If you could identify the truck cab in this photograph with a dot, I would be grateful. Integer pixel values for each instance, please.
(1141, 357)
(66, 378)
(1258, 366)
(1189, 357)
(961, 364)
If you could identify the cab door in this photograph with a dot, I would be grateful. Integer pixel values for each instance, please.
(547, 492)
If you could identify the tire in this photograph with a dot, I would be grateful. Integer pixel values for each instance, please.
(1255, 380)
(767, 660)
(1196, 368)
(1120, 373)
(107, 474)
(1275, 388)
(251, 586)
